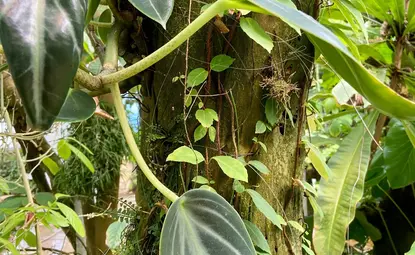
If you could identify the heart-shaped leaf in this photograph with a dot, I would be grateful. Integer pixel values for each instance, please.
(78, 106)
(343, 63)
(157, 10)
(202, 222)
(42, 41)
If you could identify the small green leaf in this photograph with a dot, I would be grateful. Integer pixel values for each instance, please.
(259, 166)
(260, 127)
(200, 180)
(43, 198)
(318, 160)
(51, 165)
(232, 167)
(297, 226)
(196, 77)
(265, 208)
(56, 219)
(206, 117)
(186, 154)
(212, 134)
(238, 187)
(9, 246)
(263, 146)
(271, 109)
(73, 218)
(157, 10)
(207, 187)
(257, 237)
(81, 144)
(307, 249)
(199, 133)
(221, 62)
(114, 234)
(78, 106)
(256, 33)
(82, 157)
(63, 149)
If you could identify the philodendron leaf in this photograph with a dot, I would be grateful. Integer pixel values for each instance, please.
(78, 107)
(202, 222)
(399, 156)
(42, 41)
(157, 10)
(343, 63)
(339, 195)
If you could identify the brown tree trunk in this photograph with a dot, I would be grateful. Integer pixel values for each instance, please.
(238, 96)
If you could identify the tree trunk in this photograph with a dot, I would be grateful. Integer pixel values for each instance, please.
(237, 95)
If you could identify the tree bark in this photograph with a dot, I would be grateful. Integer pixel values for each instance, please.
(163, 128)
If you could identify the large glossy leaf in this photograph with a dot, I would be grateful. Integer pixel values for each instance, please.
(42, 41)
(157, 10)
(202, 222)
(78, 106)
(343, 63)
(339, 195)
(399, 156)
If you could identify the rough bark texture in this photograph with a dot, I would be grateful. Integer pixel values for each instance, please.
(289, 63)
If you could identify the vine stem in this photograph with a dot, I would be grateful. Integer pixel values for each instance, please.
(19, 160)
(119, 107)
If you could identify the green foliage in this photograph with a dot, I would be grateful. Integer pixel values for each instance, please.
(232, 167)
(114, 234)
(186, 154)
(257, 237)
(257, 33)
(196, 77)
(43, 79)
(221, 62)
(158, 10)
(193, 213)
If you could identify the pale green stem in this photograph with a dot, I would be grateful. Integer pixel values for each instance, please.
(199, 22)
(100, 24)
(19, 160)
(397, 206)
(119, 107)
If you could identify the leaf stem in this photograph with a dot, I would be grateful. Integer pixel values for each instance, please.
(19, 159)
(119, 107)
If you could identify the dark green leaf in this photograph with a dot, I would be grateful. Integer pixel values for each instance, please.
(257, 33)
(399, 154)
(257, 237)
(376, 171)
(199, 133)
(343, 63)
(42, 41)
(78, 106)
(369, 228)
(271, 109)
(221, 62)
(157, 10)
(211, 225)
(196, 77)
(186, 154)
(42, 198)
(338, 196)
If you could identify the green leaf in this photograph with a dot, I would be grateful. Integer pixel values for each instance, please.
(256, 33)
(196, 77)
(265, 208)
(78, 106)
(238, 186)
(9, 246)
(211, 223)
(297, 226)
(82, 157)
(318, 160)
(370, 229)
(399, 156)
(307, 249)
(199, 133)
(397, 8)
(114, 234)
(92, 8)
(43, 56)
(412, 250)
(200, 180)
(232, 167)
(208, 188)
(307, 186)
(339, 195)
(42, 198)
(63, 149)
(411, 18)
(271, 109)
(259, 166)
(257, 237)
(410, 131)
(72, 218)
(206, 117)
(69, 138)
(186, 154)
(343, 63)
(157, 10)
(221, 62)
(56, 219)
(212, 134)
(353, 16)
(51, 165)
(260, 127)
(316, 208)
